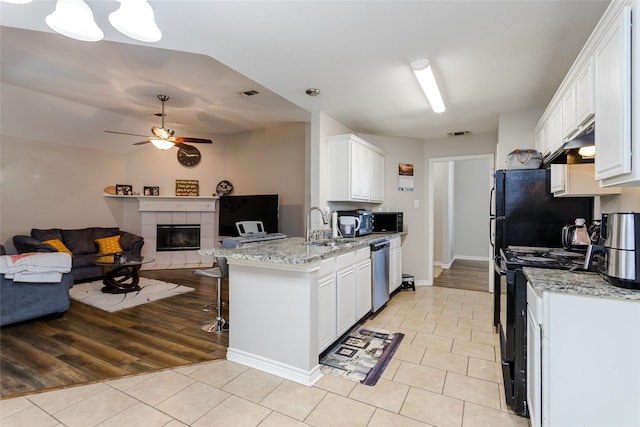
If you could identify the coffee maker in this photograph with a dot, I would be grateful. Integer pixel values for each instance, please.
(618, 254)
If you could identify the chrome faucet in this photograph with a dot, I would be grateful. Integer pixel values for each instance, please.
(307, 233)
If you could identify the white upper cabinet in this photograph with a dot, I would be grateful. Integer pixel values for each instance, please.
(613, 100)
(356, 170)
(601, 87)
(555, 128)
(577, 181)
(585, 105)
(569, 118)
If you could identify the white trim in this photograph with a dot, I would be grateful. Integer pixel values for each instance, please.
(430, 215)
(270, 366)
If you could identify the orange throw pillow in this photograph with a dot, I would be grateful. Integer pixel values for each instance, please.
(109, 245)
(60, 247)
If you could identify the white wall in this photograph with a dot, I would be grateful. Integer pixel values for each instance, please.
(449, 149)
(516, 130)
(46, 185)
(471, 213)
(405, 150)
(443, 205)
(271, 161)
(627, 201)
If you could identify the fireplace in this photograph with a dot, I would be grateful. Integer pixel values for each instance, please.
(177, 237)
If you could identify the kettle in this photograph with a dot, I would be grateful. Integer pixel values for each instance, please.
(618, 257)
(576, 237)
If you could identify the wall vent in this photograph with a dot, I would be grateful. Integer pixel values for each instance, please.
(459, 133)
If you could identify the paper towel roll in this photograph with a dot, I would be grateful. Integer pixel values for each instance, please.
(334, 225)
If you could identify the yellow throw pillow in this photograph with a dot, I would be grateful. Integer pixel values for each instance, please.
(109, 245)
(60, 247)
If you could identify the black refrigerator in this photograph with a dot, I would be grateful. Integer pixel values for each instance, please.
(525, 214)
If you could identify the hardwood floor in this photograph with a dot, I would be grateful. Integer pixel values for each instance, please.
(88, 344)
(465, 274)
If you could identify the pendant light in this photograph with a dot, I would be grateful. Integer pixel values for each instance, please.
(135, 18)
(73, 18)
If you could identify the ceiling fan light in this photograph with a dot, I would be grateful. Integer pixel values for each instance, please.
(135, 19)
(424, 74)
(162, 144)
(73, 18)
(162, 132)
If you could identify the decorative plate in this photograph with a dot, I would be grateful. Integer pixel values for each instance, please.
(224, 187)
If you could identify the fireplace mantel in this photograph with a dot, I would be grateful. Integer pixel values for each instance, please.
(171, 203)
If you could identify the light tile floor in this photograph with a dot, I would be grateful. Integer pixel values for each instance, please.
(445, 373)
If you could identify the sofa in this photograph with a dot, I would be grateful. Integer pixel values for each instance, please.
(20, 301)
(83, 244)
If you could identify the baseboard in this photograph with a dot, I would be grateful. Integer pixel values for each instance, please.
(279, 369)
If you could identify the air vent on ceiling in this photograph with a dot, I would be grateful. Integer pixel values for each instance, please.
(459, 133)
(249, 92)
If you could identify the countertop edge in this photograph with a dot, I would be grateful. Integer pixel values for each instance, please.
(579, 283)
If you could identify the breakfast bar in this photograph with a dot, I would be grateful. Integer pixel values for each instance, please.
(277, 306)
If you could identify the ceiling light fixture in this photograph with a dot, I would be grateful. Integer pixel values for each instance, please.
(17, 1)
(73, 18)
(162, 144)
(424, 74)
(135, 18)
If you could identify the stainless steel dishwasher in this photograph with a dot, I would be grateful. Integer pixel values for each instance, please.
(379, 274)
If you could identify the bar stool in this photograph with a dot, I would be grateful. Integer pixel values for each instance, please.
(219, 272)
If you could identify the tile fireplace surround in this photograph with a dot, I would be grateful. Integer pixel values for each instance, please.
(177, 210)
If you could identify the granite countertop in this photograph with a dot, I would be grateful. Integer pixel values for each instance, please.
(291, 250)
(576, 283)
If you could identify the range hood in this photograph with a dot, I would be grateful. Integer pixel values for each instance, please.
(568, 153)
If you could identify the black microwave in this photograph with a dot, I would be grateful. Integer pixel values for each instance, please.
(388, 222)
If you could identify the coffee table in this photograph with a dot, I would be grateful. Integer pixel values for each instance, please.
(120, 273)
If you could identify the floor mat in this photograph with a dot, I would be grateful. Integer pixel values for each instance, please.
(362, 354)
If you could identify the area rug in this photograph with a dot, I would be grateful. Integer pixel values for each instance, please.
(361, 355)
(150, 290)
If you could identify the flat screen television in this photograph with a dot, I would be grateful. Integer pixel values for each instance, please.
(260, 207)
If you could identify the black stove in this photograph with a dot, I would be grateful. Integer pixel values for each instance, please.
(524, 256)
(509, 316)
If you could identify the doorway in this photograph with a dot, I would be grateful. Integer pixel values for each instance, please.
(458, 223)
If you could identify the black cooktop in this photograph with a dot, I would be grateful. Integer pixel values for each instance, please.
(525, 256)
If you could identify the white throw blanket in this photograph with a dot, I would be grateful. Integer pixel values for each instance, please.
(35, 267)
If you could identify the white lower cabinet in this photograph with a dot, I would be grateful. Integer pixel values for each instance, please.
(344, 294)
(395, 263)
(534, 356)
(363, 282)
(582, 364)
(346, 291)
(327, 316)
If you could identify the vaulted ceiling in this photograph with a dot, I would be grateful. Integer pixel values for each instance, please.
(490, 57)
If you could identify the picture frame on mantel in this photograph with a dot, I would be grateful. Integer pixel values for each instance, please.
(187, 188)
(151, 191)
(124, 190)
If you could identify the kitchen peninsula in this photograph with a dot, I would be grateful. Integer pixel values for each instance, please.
(285, 301)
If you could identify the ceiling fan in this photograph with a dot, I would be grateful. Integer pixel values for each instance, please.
(162, 137)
